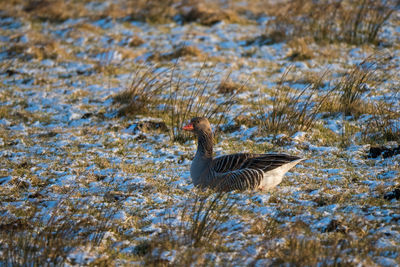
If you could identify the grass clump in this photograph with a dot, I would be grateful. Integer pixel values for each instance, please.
(53, 10)
(205, 216)
(179, 52)
(142, 94)
(299, 50)
(384, 124)
(292, 110)
(136, 41)
(229, 87)
(340, 242)
(198, 227)
(209, 15)
(203, 12)
(356, 84)
(354, 22)
(175, 99)
(195, 98)
(154, 11)
(353, 86)
(29, 241)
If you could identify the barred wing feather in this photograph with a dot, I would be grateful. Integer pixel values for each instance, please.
(242, 179)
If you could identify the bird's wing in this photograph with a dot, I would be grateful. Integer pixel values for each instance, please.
(267, 162)
(231, 162)
(242, 179)
(264, 162)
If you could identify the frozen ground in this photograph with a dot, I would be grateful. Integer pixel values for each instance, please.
(63, 147)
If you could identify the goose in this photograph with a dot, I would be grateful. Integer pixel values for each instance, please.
(240, 171)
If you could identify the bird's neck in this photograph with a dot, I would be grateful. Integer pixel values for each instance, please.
(200, 168)
(205, 145)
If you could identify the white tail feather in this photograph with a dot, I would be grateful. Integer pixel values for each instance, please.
(274, 177)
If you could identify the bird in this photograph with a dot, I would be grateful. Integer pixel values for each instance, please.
(240, 171)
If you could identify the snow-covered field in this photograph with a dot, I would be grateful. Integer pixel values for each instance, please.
(82, 185)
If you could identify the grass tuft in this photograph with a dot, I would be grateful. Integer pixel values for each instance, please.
(142, 94)
(299, 50)
(384, 124)
(292, 110)
(354, 22)
(229, 87)
(53, 10)
(198, 227)
(198, 98)
(179, 52)
(209, 15)
(356, 83)
(153, 11)
(161, 92)
(29, 241)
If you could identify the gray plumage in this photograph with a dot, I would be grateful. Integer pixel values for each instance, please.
(241, 171)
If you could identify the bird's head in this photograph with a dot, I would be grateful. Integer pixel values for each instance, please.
(198, 125)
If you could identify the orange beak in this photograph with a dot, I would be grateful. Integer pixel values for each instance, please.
(188, 127)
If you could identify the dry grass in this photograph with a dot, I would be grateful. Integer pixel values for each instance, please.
(329, 248)
(54, 10)
(180, 52)
(353, 86)
(163, 93)
(299, 49)
(30, 241)
(195, 99)
(228, 87)
(198, 229)
(204, 217)
(203, 12)
(209, 14)
(40, 47)
(359, 81)
(154, 10)
(136, 41)
(148, 81)
(384, 124)
(292, 110)
(353, 22)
